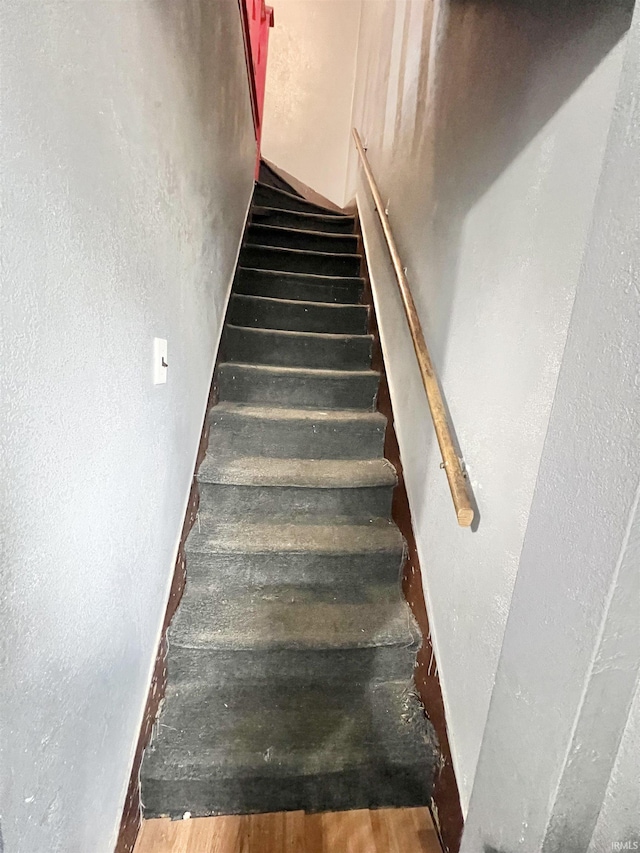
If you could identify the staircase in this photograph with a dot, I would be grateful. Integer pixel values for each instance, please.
(291, 654)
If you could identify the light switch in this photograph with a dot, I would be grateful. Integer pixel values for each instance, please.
(160, 364)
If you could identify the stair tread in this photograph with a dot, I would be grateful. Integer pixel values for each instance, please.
(307, 735)
(275, 413)
(298, 304)
(294, 198)
(295, 252)
(376, 536)
(297, 371)
(280, 302)
(298, 335)
(328, 235)
(291, 618)
(321, 279)
(311, 473)
(331, 217)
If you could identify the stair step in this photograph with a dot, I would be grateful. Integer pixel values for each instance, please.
(298, 260)
(297, 349)
(290, 285)
(295, 238)
(310, 750)
(337, 560)
(297, 473)
(297, 316)
(267, 196)
(241, 430)
(294, 386)
(333, 224)
(291, 618)
(335, 668)
(377, 537)
(259, 487)
(271, 178)
(321, 571)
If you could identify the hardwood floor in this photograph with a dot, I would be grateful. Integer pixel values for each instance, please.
(381, 831)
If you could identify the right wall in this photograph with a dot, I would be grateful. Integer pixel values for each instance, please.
(486, 126)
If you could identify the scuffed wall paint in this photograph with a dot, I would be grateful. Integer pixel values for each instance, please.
(486, 127)
(309, 91)
(127, 167)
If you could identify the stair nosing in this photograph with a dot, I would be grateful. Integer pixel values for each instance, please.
(251, 410)
(331, 216)
(278, 300)
(337, 336)
(332, 235)
(273, 368)
(308, 536)
(263, 248)
(322, 279)
(276, 472)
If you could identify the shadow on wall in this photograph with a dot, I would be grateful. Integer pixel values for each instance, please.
(510, 66)
(501, 71)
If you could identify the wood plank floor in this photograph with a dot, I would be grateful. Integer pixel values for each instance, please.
(380, 831)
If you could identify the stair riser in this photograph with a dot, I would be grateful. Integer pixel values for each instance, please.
(256, 312)
(282, 502)
(313, 571)
(257, 347)
(237, 435)
(268, 197)
(287, 260)
(307, 241)
(308, 288)
(289, 219)
(334, 668)
(379, 787)
(242, 384)
(267, 176)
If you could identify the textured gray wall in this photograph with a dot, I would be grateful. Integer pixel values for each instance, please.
(127, 166)
(571, 653)
(618, 817)
(486, 126)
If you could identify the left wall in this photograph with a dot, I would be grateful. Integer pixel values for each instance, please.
(127, 155)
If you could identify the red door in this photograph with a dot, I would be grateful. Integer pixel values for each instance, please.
(258, 18)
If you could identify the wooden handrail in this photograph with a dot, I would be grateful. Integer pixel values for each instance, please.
(450, 461)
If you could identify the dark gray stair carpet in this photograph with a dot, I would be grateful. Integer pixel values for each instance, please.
(271, 178)
(291, 655)
(279, 284)
(297, 386)
(300, 260)
(255, 487)
(294, 315)
(295, 238)
(286, 348)
(266, 196)
(305, 221)
(242, 430)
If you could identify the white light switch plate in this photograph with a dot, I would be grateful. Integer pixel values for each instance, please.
(160, 364)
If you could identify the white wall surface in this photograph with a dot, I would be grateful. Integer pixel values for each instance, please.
(309, 91)
(571, 653)
(127, 166)
(618, 817)
(486, 129)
